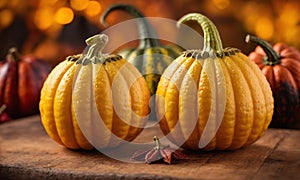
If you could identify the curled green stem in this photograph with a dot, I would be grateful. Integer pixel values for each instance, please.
(147, 35)
(272, 57)
(212, 39)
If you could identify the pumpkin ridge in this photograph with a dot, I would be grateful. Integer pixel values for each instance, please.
(11, 88)
(82, 101)
(118, 125)
(174, 88)
(124, 122)
(224, 135)
(29, 78)
(62, 112)
(285, 87)
(186, 112)
(103, 94)
(110, 79)
(161, 94)
(136, 120)
(257, 96)
(292, 67)
(50, 86)
(204, 100)
(244, 104)
(220, 104)
(265, 87)
(79, 136)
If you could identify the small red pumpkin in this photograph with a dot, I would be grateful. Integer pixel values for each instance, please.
(21, 80)
(281, 66)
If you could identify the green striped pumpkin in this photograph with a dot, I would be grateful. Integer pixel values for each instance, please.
(150, 57)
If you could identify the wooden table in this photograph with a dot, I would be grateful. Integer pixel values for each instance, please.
(26, 152)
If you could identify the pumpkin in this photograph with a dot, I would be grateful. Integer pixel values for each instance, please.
(214, 98)
(281, 66)
(94, 99)
(150, 57)
(21, 79)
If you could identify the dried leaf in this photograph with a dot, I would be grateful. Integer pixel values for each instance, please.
(159, 152)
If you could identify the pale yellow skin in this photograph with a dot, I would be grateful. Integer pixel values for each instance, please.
(247, 98)
(60, 103)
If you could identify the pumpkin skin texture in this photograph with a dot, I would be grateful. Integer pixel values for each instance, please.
(215, 98)
(21, 79)
(281, 66)
(79, 92)
(150, 57)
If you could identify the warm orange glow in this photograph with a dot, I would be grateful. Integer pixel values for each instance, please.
(3, 3)
(290, 16)
(43, 18)
(249, 22)
(47, 2)
(93, 9)
(64, 15)
(79, 5)
(6, 17)
(14, 3)
(221, 4)
(264, 28)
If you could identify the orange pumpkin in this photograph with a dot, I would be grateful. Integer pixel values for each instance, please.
(94, 99)
(213, 98)
(281, 66)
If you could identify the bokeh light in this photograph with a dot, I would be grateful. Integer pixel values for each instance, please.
(44, 22)
(264, 28)
(93, 9)
(79, 5)
(64, 15)
(43, 18)
(6, 17)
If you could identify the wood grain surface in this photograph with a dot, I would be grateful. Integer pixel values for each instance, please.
(26, 152)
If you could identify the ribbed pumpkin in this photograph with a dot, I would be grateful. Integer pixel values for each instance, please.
(91, 100)
(215, 98)
(150, 57)
(281, 66)
(21, 80)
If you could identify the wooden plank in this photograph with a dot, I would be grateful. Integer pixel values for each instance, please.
(27, 152)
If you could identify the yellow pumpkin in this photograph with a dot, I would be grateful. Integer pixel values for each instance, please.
(94, 99)
(215, 98)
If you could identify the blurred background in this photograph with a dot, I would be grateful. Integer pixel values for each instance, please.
(54, 29)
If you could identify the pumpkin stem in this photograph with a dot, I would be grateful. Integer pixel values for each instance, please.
(97, 44)
(13, 54)
(212, 39)
(272, 57)
(147, 35)
(2, 108)
(157, 143)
